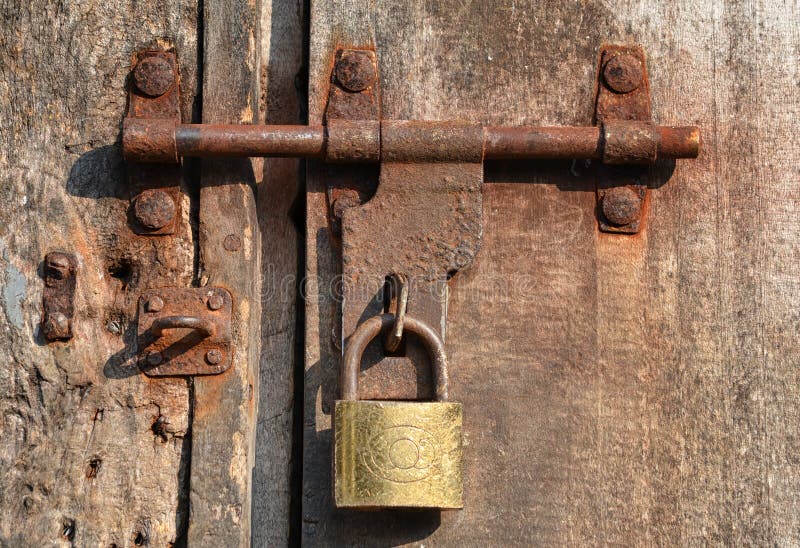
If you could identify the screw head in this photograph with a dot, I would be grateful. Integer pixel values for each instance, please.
(154, 209)
(153, 75)
(213, 357)
(154, 358)
(215, 302)
(355, 70)
(621, 205)
(623, 73)
(154, 304)
(56, 326)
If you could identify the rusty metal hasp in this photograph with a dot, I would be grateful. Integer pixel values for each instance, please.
(184, 331)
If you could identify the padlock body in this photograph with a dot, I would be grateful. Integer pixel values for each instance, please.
(391, 454)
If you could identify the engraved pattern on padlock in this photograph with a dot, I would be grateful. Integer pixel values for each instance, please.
(396, 454)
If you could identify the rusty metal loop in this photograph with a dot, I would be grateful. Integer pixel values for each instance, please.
(398, 296)
(203, 326)
(370, 329)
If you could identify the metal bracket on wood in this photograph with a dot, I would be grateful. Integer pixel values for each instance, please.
(419, 216)
(153, 100)
(184, 331)
(58, 296)
(622, 110)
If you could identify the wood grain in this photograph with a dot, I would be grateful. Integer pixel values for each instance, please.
(282, 37)
(224, 414)
(617, 390)
(92, 452)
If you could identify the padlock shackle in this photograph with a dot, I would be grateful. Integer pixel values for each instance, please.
(370, 329)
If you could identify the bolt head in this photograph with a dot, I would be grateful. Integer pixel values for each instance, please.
(355, 70)
(57, 265)
(623, 73)
(56, 327)
(153, 75)
(213, 357)
(154, 304)
(154, 358)
(154, 209)
(215, 302)
(621, 205)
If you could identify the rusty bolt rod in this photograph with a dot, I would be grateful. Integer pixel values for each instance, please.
(553, 143)
(250, 141)
(507, 143)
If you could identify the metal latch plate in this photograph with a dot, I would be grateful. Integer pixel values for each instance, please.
(178, 350)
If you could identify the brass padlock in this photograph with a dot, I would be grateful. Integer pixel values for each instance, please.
(396, 454)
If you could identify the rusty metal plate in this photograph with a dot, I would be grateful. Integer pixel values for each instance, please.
(155, 188)
(424, 222)
(58, 295)
(195, 331)
(623, 94)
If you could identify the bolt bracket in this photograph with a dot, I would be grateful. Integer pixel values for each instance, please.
(154, 99)
(184, 331)
(622, 111)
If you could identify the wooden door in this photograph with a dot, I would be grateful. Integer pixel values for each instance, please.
(626, 390)
(92, 451)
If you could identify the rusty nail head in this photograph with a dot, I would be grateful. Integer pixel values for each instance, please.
(346, 200)
(355, 70)
(232, 242)
(154, 209)
(215, 302)
(213, 357)
(623, 73)
(56, 326)
(154, 358)
(155, 304)
(154, 75)
(621, 205)
(59, 264)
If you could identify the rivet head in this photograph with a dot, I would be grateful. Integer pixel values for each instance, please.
(57, 265)
(56, 326)
(621, 205)
(623, 73)
(215, 302)
(355, 70)
(213, 357)
(154, 358)
(154, 304)
(154, 209)
(153, 75)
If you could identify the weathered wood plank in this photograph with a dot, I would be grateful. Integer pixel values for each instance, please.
(92, 453)
(282, 37)
(333, 24)
(224, 413)
(617, 390)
